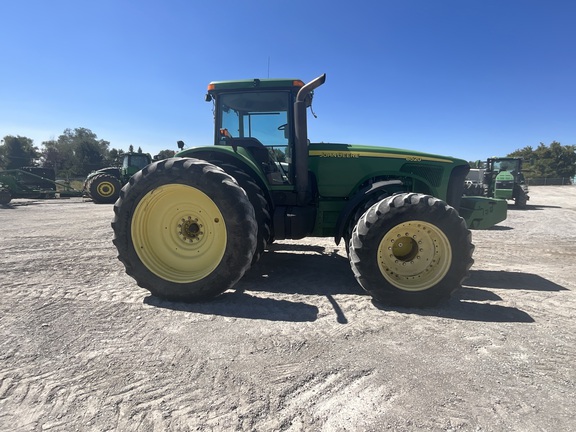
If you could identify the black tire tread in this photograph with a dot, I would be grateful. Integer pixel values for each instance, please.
(260, 204)
(5, 196)
(236, 208)
(396, 209)
(91, 187)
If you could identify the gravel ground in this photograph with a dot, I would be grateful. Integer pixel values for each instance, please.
(296, 347)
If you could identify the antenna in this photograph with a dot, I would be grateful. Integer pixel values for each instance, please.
(268, 66)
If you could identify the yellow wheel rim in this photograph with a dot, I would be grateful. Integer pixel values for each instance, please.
(105, 189)
(179, 233)
(414, 256)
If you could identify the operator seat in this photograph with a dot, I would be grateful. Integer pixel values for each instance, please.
(256, 149)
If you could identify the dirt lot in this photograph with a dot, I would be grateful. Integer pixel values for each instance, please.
(298, 347)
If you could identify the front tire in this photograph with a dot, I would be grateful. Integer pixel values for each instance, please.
(184, 229)
(104, 188)
(411, 250)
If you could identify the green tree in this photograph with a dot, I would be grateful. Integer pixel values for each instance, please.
(553, 161)
(51, 155)
(17, 152)
(165, 154)
(89, 156)
(76, 152)
(477, 164)
(115, 156)
(279, 155)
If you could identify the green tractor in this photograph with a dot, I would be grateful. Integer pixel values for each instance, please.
(187, 228)
(104, 185)
(503, 179)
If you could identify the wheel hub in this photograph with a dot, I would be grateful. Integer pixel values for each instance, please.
(414, 255)
(405, 249)
(105, 189)
(190, 229)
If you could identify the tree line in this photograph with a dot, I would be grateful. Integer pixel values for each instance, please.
(75, 153)
(78, 152)
(545, 161)
(553, 161)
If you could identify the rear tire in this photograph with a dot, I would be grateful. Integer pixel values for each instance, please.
(184, 229)
(261, 208)
(521, 200)
(104, 188)
(5, 197)
(411, 250)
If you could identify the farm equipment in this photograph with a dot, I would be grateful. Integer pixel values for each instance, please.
(32, 182)
(474, 183)
(503, 179)
(187, 228)
(104, 185)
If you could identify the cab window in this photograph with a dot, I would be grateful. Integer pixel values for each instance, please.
(263, 116)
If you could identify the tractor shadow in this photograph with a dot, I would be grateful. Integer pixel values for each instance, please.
(530, 207)
(511, 280)
(309, 270)
(499, 228)
(238, 304)
(464, 304)
(13, 205)
(292, 268)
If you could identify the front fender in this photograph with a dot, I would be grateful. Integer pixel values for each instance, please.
(113, 171)
(362, 196)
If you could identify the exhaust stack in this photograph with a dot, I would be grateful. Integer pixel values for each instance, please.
(301, 130)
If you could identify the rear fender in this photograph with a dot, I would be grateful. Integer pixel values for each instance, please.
(239, 158)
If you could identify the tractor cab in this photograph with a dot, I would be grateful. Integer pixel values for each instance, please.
(256, 117)
(134, 162)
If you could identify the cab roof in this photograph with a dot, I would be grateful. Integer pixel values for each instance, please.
(268, 83)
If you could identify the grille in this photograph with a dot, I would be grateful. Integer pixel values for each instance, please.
(433, 175)
(505, 184)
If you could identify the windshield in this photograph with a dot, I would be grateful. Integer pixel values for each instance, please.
(136, 160)
(260, 115)
(506, 165)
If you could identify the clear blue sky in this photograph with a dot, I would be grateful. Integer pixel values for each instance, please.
(467, 78)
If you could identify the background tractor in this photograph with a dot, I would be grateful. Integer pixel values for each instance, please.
(104, 185)
(187, 228)
(503, 179)
(474, 183)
